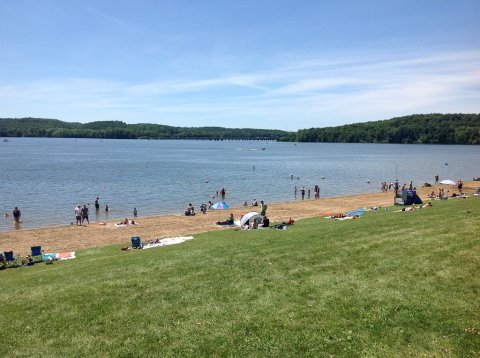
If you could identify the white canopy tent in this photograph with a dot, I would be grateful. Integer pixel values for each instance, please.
(250, 216)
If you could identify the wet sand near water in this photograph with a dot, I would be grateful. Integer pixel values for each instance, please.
(73, 238)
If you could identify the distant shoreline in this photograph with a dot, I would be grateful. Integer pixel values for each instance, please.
(433, 128)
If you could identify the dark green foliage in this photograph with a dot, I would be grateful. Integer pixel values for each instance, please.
(417, 128)
(37, 127)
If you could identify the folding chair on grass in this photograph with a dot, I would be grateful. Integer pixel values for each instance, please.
(136, 242)
(37, 253)
(11, 259)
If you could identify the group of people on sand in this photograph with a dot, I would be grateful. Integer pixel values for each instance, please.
(441, 194)
(81, 214)
(126, 222)
(190, 210)
(263, 206)
(252, 223)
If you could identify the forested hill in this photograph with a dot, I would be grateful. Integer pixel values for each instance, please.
(418, 128)
(37, 127)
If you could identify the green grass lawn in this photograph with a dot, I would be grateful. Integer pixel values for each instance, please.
(388, 284)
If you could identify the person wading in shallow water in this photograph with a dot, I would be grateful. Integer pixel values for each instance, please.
(16, 214)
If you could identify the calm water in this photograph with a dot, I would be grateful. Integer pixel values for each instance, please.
(46, 178)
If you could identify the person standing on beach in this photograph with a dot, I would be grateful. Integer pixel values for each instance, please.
(263, 208)
(396, 188)
(85, 214)
(459, 185)
(97, 205)
(16, 214)
(78, 214)
(436, 179)
(135, 213)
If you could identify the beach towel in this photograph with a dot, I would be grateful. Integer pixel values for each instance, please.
(59, 256)
(357, 212)
(167, 241)
(349, 215)
(66, 255)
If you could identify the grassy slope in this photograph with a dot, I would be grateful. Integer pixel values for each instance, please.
(388, 284)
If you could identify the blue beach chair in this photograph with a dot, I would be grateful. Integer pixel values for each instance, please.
(136, 242)
(36, 253)
(11, 260)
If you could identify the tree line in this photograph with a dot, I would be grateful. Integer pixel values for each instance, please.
(39, 127)
(417, 128)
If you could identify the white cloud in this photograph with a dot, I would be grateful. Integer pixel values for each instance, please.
(317, 91)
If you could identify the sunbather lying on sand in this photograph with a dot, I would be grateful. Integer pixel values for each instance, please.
(125, 222)
(229, 221)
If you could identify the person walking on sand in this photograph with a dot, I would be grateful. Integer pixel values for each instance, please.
(16, 214)
(78, 214)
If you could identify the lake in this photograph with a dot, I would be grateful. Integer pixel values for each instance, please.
(47, 177)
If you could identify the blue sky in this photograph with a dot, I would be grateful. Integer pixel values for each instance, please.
(259, 64)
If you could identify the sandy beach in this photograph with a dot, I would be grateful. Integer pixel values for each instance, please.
(72, 237)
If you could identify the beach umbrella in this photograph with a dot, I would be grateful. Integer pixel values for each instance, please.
(448, 182)
(220, 206)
